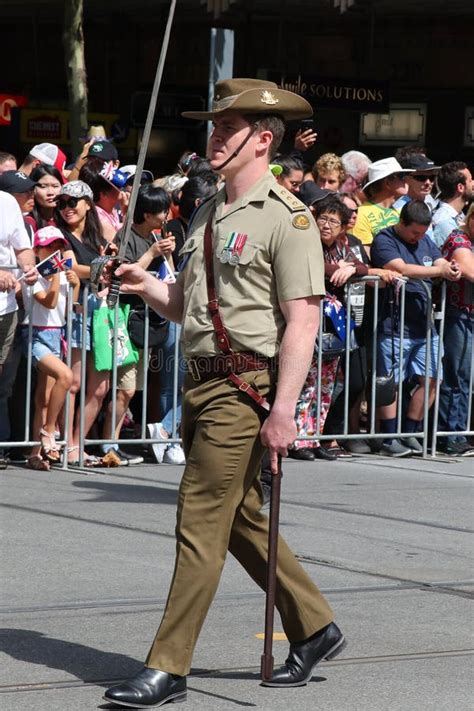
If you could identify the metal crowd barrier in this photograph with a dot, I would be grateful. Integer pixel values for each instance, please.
(370, 434)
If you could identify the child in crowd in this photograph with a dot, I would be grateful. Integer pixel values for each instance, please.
(48, 318)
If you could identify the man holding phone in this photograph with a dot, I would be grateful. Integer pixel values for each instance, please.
(145, 248)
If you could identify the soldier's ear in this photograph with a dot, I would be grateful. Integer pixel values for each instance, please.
(265, 139)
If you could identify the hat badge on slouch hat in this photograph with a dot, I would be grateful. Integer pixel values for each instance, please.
(268, 98)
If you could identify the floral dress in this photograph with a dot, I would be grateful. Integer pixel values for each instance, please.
(308, 415)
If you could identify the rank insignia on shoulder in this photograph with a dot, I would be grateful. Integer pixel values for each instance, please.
(301, 222)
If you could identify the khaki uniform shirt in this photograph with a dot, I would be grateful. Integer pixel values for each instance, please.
(280, 261)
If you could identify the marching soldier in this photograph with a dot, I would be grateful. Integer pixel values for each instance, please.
(248, 300)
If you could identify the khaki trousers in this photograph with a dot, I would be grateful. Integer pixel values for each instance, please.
(219, 510)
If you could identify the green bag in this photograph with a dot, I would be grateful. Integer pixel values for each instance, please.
(103, 321)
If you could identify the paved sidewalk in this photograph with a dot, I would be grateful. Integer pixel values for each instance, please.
(87, 557)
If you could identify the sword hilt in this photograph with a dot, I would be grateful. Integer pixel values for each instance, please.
(114, 290)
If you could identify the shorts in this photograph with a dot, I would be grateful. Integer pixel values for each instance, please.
(130, 377)
(414, 356)
(76, 332)
(8, 323)
(44, 342)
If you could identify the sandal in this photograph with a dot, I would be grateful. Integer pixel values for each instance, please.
(90, 460)
(37, 462)
(51, 451)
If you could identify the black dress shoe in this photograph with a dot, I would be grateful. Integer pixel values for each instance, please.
(149, 688)
(324, 453)
(303, 657)
(305, 454)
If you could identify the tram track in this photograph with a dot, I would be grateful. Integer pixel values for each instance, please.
(229, 672)
(399, 584)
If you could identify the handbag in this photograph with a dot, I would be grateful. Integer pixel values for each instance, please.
(385, 386)
(158, 328)
(103, 332)
(334, 345)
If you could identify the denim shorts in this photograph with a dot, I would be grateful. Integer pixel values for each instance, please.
(44, 341)
(414, 356)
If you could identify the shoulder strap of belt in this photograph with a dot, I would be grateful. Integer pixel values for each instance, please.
(222, 335)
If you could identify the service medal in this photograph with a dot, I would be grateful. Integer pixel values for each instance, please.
(237, 247)
(224, 256)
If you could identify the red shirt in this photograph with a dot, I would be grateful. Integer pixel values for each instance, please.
(459, 293)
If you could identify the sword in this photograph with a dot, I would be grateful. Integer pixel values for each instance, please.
(114, 287)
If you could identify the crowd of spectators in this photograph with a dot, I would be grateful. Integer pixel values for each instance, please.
(402, 223)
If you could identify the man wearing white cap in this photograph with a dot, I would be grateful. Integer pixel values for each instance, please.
(46, 153)
(386, 183)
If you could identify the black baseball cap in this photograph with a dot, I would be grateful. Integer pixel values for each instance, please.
(309, 193)
(14, 181)
(104, 150)
(420, 163)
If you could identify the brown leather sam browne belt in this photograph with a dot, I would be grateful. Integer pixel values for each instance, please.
(204, 368)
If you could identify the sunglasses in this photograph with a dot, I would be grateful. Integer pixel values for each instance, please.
(423, 178)
(62, 202)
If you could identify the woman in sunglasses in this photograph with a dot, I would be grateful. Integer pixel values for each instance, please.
(77, 218)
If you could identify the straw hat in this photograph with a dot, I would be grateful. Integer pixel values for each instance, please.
(254, 96)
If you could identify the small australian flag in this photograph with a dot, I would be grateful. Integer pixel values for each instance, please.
(53, 264)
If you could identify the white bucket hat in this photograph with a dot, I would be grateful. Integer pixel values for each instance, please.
(383, 168)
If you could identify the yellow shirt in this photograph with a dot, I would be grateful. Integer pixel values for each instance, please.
(281, 260)
(371, 219)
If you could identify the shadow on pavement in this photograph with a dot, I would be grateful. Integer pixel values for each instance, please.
(130, 493)
(85, 663)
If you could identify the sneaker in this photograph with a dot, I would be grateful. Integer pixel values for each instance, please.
(394, 449)
(158, 449)
(127, 459)
(456, 448)
(174, 455)
(358, 446)
(413, 444)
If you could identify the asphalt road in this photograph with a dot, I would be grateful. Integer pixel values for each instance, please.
(86, 559)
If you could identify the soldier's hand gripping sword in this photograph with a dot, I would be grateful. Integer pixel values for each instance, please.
(98, 265)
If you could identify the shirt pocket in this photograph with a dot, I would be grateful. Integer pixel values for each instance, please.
(239, 281)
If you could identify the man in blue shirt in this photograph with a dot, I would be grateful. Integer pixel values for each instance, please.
(405, 248)
(456, 186)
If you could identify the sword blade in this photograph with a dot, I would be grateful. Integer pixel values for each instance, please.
(146, 135)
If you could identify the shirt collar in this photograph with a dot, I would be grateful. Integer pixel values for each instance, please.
(258, 192)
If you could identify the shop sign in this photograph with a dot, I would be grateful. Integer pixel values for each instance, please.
(7, 103)
(50, 125)
(336, 93)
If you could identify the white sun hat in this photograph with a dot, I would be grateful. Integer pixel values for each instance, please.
(383, 168)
